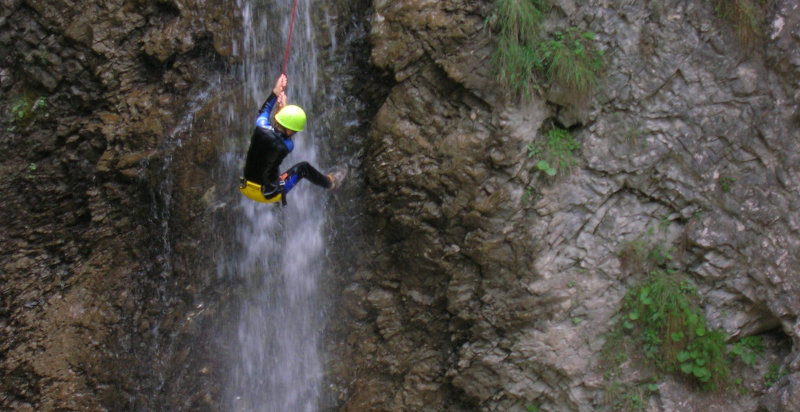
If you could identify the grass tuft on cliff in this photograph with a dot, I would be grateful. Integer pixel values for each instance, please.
(514, 57)
(523, 57)
(747, 16)
(571, 60)
(519, 20)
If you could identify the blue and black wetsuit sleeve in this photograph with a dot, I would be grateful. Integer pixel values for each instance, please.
(263, 119)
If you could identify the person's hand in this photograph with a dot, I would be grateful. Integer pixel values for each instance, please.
(280, 85)
(281, 100)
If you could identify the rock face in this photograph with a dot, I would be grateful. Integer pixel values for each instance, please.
(469, 279)
(492, 286)
(95, 286)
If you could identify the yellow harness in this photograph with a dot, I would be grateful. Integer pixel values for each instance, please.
(253, 191)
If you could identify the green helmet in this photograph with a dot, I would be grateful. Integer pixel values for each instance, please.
(291, 117)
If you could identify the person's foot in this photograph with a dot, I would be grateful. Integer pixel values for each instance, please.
(337, 177)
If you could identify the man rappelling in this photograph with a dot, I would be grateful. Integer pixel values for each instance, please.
(270, 144)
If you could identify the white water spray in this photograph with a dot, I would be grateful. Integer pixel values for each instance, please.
(278, 366)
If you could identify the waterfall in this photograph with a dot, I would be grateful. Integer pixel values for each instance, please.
(278, 361)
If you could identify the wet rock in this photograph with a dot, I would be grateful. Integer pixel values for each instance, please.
(163, 44)
(84, 172)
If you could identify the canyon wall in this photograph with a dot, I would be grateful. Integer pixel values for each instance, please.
(97, 221)
(467, 279)
(494, 286)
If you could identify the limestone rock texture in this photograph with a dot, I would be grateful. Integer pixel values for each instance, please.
(490, 286)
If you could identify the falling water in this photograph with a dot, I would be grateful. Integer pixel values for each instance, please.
(278, 362)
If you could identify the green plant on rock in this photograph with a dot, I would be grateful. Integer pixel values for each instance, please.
(661, 324)
(519, 24)
(663, 315)
(556, 154)
(747, 16)
(622, 397)
(31, 169)
(24, 108)
(646, 253)
(726, 183)
(516, 66)
(20, 109)
(774, 374)
(571, 59)
(748, 349)
(519, 20)
(530, 195)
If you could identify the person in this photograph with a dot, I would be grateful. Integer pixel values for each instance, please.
(270, 144)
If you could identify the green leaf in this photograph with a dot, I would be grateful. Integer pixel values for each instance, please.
(543, 165)
(39, 103)
(749, 358)
(687, 368)
(652, 387)
(633, 315)
(700, 372)
(551, 172)
(627, 325)
(644, 297)
(683, 356)
(533, 149)
(677, 336)
(701, 331)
